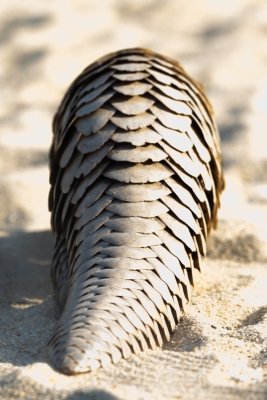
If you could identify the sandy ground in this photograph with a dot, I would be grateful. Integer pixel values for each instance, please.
(219, 351)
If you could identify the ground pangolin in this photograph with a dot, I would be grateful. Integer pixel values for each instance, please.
(135, 187)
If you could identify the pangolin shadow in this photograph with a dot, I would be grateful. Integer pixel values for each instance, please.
(91, 395)
(27, 303)
(256, 317)
(186, 337)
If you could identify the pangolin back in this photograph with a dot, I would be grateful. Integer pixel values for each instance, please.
(135, 187)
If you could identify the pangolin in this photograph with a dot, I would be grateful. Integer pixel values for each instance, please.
(135, 174)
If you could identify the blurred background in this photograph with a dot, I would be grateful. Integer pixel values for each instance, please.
(44, 44)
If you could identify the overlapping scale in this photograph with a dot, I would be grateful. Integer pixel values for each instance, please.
(135, 186)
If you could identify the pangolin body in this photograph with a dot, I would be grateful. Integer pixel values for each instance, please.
(135, 186)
